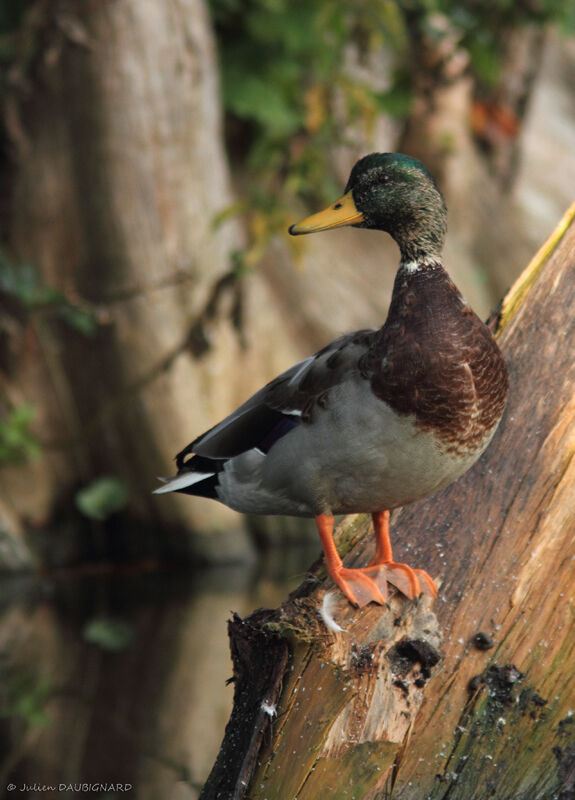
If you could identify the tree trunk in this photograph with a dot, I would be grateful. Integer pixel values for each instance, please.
(379, 705)
(118, 173)
(475, 141)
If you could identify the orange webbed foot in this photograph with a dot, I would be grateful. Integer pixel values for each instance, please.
(426, 583)
(411, 582)
(369, 584)
(362, 586)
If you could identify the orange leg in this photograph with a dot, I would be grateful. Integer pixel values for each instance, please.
(411, 582)
(367, 584)
(358, 585)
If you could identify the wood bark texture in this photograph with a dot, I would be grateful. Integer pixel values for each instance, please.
(118, 173)
(118, 170)
(470, 699)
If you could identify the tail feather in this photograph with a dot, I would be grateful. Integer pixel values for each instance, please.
(182, 481)
(197, 476)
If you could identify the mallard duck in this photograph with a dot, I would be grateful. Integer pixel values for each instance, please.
(378, 418)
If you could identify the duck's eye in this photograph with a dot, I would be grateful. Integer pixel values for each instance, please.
(385, 178)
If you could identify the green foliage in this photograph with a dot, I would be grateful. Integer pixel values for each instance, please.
(290, 95)
(284, 67)
(17, 442)
(21, 283)
(282, 64)
(282, 61)
(109, 634)
(103, 497)
(76, 317)
(23, 295)
(25, 696)
(482, 27)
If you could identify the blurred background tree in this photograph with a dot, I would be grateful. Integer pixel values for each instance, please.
(152, 157)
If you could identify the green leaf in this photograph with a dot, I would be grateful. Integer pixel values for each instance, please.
(255, 98)
(485, 60)
(26, 695)
(19, 280)
(107, 633)
(22, 282)
(101, 498)
(17, 442)
(78, 318)
(398, 99)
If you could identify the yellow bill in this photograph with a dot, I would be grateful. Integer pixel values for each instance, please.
(337, 215)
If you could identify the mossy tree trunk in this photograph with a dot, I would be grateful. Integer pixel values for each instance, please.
(474, 697)
(117, 174)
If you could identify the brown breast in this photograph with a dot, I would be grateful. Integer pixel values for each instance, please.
(434, 358)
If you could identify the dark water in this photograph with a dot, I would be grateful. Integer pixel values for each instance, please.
(114, 684)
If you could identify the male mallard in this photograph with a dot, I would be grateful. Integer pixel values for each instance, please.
(377, 419)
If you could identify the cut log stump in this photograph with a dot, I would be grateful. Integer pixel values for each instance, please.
(473, 696)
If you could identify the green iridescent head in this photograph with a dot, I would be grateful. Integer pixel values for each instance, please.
(390, 192)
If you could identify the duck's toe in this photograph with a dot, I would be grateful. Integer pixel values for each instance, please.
(362, 586)
(410, 582)
(403, 578)
(426, 583)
